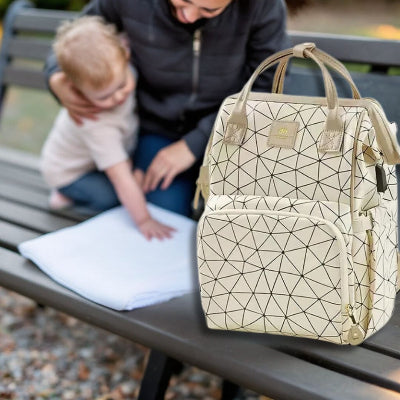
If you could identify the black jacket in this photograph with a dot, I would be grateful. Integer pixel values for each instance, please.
(185, 71)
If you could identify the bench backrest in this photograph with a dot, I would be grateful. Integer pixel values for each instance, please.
(27, 36)
(28, 33)
(380, 55)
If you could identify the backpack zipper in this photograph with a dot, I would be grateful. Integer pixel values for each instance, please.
(355, 335)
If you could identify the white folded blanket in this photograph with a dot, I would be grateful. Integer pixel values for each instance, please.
(108, 261)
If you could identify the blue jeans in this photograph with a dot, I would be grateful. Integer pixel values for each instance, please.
(179, 195)
(95, 192)
(92, 192)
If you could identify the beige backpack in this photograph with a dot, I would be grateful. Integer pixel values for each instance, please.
(299, 232)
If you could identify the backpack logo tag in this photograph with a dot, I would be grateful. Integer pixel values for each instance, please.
(283, 134)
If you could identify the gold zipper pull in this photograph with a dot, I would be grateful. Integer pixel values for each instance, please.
(355, 335)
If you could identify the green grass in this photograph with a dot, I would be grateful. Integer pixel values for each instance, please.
(26, 119)
(394, 71)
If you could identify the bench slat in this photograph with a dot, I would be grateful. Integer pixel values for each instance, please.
(40, 221)
(355, 361)
(14, 174)
(11, 236)
(43, 21)
(20, 158)
(177, 329)
(355, 49)
(24, 77)
(386, 341)
(22, 194)
(308, 82)
(27, 47)
(24, 184)
(29, 197)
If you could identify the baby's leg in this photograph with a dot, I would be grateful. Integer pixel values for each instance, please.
(57, 201)
(93, 191)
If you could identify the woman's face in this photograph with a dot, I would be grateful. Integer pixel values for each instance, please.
(189, 11)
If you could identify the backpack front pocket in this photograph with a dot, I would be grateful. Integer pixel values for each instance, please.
(274, 272)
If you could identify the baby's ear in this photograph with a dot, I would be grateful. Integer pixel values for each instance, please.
(125, 44)
(70, 82)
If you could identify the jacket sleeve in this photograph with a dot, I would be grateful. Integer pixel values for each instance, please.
(197, 138)
(267, 37)
(105, 8)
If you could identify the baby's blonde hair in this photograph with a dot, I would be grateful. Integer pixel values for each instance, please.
(87, 50)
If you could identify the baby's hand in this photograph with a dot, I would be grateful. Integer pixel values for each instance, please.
(151, 228)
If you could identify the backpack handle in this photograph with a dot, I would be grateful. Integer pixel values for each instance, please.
(332, 136)
(329, 61)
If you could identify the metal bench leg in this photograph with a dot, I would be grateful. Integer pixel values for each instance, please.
(229, 390)
(157, 375)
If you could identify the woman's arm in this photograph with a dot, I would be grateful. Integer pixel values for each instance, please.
(268, 36)
(78, 106)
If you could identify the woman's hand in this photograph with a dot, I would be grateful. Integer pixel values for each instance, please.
(77, 105)
(169, 162)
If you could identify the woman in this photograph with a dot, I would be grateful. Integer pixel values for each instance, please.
(190, 55)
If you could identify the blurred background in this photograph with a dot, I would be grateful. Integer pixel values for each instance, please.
(72, 5)
(22, 129)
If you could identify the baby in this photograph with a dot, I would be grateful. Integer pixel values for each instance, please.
(88, 165)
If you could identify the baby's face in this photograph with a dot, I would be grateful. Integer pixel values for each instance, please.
(116, 92)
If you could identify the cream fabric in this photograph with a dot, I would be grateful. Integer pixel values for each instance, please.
(295, 240)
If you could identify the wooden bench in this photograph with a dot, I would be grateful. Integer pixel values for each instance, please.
(280, 367)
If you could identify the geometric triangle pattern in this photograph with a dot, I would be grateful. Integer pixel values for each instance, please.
(257, 254)
(375, 255)
(278, 251)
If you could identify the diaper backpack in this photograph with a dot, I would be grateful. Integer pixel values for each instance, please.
(299, 232)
